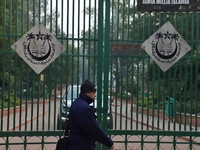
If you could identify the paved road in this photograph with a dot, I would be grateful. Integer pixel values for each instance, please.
(36, 120)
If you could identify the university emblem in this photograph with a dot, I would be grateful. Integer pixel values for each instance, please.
(166, 46)
(38, 48)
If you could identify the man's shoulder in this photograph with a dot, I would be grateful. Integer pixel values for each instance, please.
(80, 103)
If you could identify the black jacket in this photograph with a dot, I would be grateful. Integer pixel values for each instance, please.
(84, 130)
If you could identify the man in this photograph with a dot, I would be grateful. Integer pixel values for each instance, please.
(84, 130)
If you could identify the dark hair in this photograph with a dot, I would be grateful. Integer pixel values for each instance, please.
(87, 87)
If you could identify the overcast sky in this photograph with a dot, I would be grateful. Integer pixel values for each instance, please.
(73, 11)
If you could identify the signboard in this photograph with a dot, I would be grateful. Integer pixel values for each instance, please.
(126, 49)
(38, 48)
(166, 46)
(168, 5)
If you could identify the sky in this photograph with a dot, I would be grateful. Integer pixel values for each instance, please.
(70, 13)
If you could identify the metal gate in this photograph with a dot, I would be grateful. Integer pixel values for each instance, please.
(151, 109)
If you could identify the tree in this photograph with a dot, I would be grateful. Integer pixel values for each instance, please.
(7, 27)
(16, 22)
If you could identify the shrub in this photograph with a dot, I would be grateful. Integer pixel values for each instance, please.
(9, 99)
(149, 102)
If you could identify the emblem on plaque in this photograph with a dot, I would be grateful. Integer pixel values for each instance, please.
(38, 48)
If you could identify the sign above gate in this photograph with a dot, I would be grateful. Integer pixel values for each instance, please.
(166, 46)
(126, 49)
(168, 5)
(38, 48)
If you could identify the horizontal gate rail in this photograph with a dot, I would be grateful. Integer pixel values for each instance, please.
(152, 132)
(30, 133)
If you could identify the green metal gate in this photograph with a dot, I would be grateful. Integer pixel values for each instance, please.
(151, 109)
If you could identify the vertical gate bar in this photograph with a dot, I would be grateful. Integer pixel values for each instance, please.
(84, 18)
(137, 76)
(121, 83)
(132, 95)
(15, 80)
(56, 24)
(113, 61)
(180, 94)
(116, 91)
(174, 105)
(175, 89)
(137, 95)
(25, 142)
(159, 90)
(56, 65)
(160, 98)
(89, 41)
(196, 72)
(112, 21)
(73, 56)
(21, 98)
(196, 94)
(106, 60)
(7, 143)
(149, 104)
(164, 83)
(51, 11)
(32, 93)
(39, 12)
(27, 98)
(126, 96)
(147, 87)
(185, 84)
(3, 63)
(54, 104)
(191, 75)
(28, 93)
(143, 18)
(43, 100)
(138, 29)
(168, 77)
(100, 55)
(153, 83)
(38, 106)
(143, 78)
(78, 45)
(47, 98)
(95, 37)
(195, 100)
(123, 18)
(45, 13)
(15, 62)
(9, 66)
(32, 103)
(34, 13)
(117, 21)
(152, 86)
(21, 95)
(128, 20)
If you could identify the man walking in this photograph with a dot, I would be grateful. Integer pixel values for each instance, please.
(84, 130)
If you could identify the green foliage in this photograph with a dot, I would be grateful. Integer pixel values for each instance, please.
(125, 96)
(149, 102)
(17, 17)
(9, 100)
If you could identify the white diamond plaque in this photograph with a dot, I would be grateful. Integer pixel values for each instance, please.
(38, 48)
(166, 46)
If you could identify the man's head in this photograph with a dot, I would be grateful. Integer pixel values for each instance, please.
(89, 89)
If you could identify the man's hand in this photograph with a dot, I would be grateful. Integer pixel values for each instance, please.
(113, 147)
